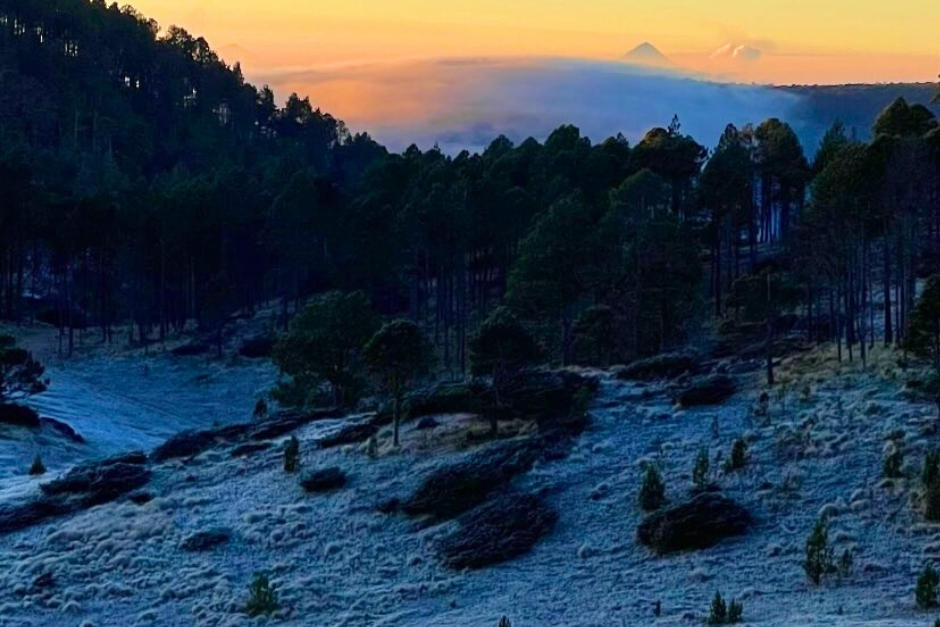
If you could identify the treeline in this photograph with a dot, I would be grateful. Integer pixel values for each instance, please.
(140, 175)
(143, 180)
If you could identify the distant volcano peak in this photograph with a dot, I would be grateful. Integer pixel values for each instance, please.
(647, 54)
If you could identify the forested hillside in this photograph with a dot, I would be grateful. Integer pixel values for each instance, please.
(144, 180)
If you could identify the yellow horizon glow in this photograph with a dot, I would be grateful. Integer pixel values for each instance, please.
(363, 60)
(802, 41)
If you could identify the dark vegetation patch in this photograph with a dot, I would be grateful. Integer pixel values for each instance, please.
(205, 540)
(140, 497)
(19, 416)
(505, 528)
(99, 482)
(695, 524)
(62, 428)
(191, 349)
(541, 395)
(82, 487)
(257, 347)
(16, 516)
(349, 434)
(709, 390)
(244, 450)
(427, 423)
(323, 480)
(664, 366)
(450, 491)
(190, 443)
(285, 422)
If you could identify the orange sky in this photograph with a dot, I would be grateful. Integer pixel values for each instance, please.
(377, 62)
(805, 41)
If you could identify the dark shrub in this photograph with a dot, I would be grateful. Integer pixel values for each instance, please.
(19, 416)
(257, 347)
(323, 480)
(190, 349)
(498, 531)
(710, 390)
(665, 366)
(695, 524)
(205, 540)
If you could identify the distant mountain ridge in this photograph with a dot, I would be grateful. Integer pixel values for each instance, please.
(648, 55)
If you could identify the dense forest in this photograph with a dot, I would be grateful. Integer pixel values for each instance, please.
(144, 181)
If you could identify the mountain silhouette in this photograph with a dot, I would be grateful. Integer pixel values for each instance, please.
(647, 54)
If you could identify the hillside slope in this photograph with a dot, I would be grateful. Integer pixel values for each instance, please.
(339, 561)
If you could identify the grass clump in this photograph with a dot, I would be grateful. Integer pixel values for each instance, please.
(262, 596)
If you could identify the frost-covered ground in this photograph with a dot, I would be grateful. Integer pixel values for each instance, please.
(120, 400)
(337, 561)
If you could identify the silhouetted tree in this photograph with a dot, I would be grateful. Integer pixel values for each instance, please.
(397, 355)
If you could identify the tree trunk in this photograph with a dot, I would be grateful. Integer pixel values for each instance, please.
(396, 416)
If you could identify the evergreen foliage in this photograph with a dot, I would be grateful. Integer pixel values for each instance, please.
(397, 355)
(324, 342)
(292, 454)
(819, 560)
(701, 467)
(500, 349)
(20, 374)
(37, 467)
(925, 593)
(653, 491)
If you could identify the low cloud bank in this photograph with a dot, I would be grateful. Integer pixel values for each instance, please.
(462, 104)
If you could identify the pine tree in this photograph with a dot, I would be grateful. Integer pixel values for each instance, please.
(819, 555)
(292, 454)
(653, 491)
(925, 594)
